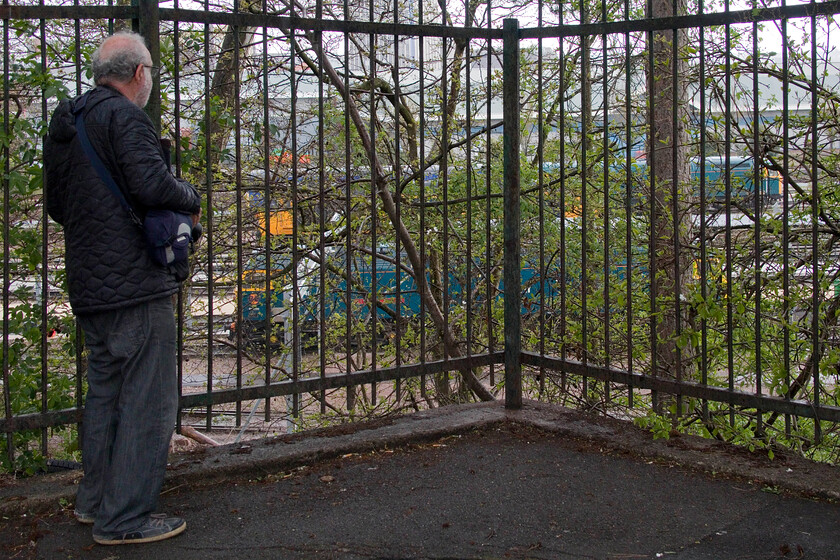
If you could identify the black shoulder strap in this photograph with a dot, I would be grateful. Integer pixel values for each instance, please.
(100, 168)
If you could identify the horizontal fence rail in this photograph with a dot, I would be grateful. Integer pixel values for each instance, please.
(625, 211)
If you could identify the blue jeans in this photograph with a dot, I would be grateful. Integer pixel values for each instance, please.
(130, 412)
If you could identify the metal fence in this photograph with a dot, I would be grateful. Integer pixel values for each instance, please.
(625, 208)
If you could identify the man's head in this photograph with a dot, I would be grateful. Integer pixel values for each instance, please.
(123, 62)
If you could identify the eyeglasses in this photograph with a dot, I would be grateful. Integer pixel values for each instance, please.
(153, 70)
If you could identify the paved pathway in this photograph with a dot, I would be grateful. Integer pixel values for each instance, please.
(494, 490)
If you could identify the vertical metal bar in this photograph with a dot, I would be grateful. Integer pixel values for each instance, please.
(348, 193)
(652, 265)
(176, 78)
(135, 21)
(296, 355)
(80, 337)
(322, 200)
(488, 265)
(270, 294)
(208, 182)
(45, 288)
(583, 167)
(628, 201)
(45, 279)
(444, 179)
(786, 312)
(468, 284)
(607, 162)
(542, 272)
(757, 199)
(7, 397)
(150, 30)
(397, 181)
(728, 210)
(237, 128)
(563, 266)
(512, 276)
(675, 201)
(425, 174)
(374, 225)
(815, 214)
(374, 221)
(704, 258)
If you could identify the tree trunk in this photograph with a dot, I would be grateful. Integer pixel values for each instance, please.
(389, 206)
(223, 89)
(668, 195)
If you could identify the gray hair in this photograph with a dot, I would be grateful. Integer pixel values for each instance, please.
(122, 61)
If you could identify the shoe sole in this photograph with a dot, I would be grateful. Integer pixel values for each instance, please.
(84, 519)
(162, 537)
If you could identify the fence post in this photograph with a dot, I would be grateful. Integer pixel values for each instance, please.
(512, 257)
(149, 27)
(6, 214)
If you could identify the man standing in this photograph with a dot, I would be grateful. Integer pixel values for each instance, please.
(122, 299)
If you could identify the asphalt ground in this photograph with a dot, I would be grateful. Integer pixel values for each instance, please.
(467, 482)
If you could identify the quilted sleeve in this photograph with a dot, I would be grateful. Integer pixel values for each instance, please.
(146, 175)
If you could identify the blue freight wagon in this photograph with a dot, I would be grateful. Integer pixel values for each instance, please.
(405, 302)
(741, 178)
(390, 301)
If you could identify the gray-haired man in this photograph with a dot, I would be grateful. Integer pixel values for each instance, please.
(122, 299)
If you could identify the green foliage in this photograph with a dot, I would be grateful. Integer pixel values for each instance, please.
(40, 328)
(656, 424)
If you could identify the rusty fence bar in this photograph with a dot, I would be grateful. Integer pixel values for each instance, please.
(512, 217)
(397, 205)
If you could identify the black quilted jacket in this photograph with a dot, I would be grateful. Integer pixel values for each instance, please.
(107, 263)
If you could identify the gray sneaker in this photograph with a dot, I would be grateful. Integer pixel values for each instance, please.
(156, 528)
(84, 518)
